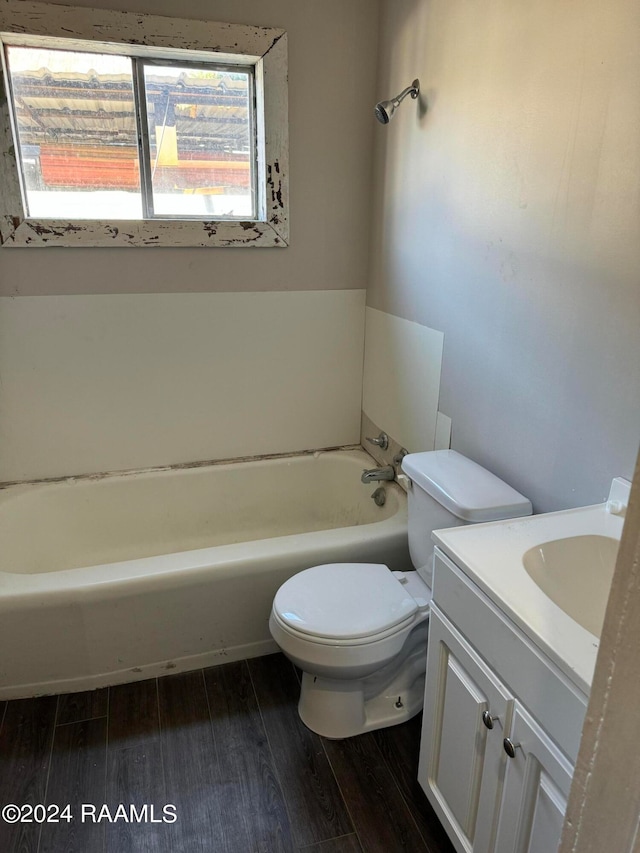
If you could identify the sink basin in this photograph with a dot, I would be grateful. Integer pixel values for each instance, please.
(550, 574)
(575, 572)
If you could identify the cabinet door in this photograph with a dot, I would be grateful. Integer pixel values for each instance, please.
(461, 759)
(535, 792)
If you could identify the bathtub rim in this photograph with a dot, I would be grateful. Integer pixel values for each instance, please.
(85, 579)
(183, 466)
(183, 564)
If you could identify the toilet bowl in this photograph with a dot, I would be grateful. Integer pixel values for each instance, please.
(358, 631)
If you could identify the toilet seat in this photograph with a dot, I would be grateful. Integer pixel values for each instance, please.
(348, 643)
(344, 604)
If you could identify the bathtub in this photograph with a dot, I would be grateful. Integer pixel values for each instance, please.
(116, 578)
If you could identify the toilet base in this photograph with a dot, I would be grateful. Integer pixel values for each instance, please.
(337, 708)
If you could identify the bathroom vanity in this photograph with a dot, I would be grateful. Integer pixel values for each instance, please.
(509, 673)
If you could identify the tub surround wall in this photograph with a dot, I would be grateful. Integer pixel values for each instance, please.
(506, 215)
(402, 365)
(114, 382)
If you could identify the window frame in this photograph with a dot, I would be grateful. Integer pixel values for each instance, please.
(154, 37)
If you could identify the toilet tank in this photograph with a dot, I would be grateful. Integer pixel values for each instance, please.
(449, 490)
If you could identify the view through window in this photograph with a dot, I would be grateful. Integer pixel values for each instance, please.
(103, 136)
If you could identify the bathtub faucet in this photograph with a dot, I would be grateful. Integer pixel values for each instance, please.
(374, 474)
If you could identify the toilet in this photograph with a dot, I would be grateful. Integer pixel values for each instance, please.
(358, 631)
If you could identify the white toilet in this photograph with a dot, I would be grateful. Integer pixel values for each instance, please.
(358, 631)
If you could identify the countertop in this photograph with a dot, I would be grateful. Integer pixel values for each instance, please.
(491, 555)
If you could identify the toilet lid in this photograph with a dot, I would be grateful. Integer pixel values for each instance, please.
(344, 601)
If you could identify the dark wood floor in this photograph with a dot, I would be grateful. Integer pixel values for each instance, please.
(226, 747)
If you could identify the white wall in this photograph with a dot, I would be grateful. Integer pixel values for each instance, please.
(103, 383)
(507, 215)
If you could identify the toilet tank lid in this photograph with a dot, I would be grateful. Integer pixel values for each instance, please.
(465, 488)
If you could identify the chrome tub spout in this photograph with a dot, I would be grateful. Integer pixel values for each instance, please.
(373, 475)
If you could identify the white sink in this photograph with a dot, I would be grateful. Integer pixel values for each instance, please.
(576, 574)
(549, 573)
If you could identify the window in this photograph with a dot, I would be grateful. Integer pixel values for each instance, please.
(130, 138)
(170, 132)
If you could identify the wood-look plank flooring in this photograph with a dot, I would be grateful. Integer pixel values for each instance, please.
(225, 747)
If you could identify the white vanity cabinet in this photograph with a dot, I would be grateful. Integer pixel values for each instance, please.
(490, 692)
(535, 790)
(461, 759)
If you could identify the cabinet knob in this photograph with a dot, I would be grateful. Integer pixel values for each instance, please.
(488, 720)
(510, 747)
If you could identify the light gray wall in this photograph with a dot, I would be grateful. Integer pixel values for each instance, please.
(507, 216)
(332, 61)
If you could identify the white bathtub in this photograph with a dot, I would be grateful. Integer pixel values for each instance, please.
(118, 578)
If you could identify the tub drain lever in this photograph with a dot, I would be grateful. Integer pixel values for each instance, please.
(379, 497)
